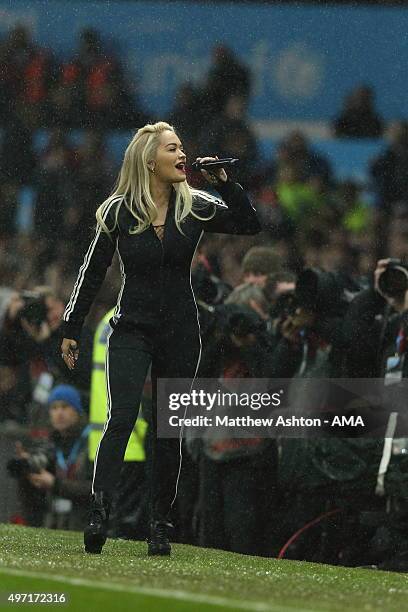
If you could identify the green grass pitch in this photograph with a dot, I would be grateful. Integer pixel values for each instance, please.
(124, 578)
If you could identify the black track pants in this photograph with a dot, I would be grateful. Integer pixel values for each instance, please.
(173, 352)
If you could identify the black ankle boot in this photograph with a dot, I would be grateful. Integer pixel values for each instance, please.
(158, 543)
(95, 532)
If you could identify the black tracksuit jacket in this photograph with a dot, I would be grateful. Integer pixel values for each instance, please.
(156, 283)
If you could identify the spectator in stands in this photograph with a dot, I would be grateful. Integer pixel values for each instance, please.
(356, 215)
(27, 76)
(295, 151)
(390, 170)
(229, 135)
(17, 158)
(60, 470)
(93, 83)
(288, 188)
(294, 184)
(92, 179)
(67, 105)
(227, 76)
(186, 115)
(296, 197)
(359, 119)
(55, 191)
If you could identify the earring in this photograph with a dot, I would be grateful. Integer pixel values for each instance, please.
(151, 168)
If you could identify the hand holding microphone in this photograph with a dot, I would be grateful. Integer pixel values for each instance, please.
(215, 162)
(212, 168)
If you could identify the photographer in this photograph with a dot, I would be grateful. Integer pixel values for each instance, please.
(322, 477)
(374, 326)
(239, 345)
(55, 478)
(310, 327)
(14, 381)
(238, 476)
(30, 335)
(279, 292)
(376, 329)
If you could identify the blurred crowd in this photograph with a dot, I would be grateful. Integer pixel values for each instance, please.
(304, 299)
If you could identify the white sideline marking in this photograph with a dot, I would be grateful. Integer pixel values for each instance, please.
(180, 595)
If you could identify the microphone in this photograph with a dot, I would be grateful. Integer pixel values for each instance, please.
(218, 163)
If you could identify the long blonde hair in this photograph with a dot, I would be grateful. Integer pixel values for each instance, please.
(132, 186)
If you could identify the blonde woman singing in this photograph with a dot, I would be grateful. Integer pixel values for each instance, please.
(154, 221)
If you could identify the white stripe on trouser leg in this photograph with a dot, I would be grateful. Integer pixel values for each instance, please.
(195, 373)
(181, 431)
(109, 404)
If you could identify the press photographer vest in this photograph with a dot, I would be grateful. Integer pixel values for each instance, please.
(98, 404)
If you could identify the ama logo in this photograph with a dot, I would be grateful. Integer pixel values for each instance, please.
(347, 421)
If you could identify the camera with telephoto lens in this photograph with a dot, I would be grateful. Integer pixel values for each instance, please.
(33, 464)
(323, 292)
(284, 306)
(393, 282)
(34, 310)
(208, 287)
(242, 320)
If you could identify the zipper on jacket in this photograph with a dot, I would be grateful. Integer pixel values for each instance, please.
(166, 221)
(161, 284)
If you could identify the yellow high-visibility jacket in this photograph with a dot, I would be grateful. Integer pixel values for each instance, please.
(98, 402)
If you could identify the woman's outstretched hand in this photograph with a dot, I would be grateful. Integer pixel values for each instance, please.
(69, 352)
(216, 174)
